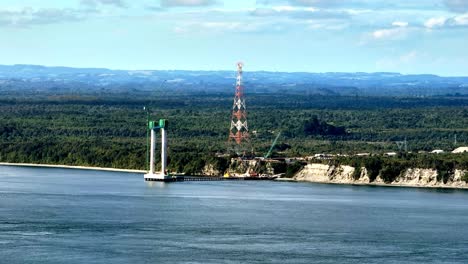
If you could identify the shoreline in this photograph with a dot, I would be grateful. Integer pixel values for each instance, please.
(33, 165)
(384, 185)
(56, 166)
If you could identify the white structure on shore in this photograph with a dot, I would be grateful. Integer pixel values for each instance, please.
(460, 150)
(152, 175)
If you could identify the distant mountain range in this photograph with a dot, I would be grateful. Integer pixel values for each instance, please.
(62, 79)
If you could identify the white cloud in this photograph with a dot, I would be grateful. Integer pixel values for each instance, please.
(300, 2)
(442, 22)
(226, 27)
(435, 22)
(187, 3)
(316, 2)
(461, 20)
(384, 33)
(390, 33)
(399, 31)
(31, 17)
(400, 24)
(301, 13)
(284, 8)
(93, 3)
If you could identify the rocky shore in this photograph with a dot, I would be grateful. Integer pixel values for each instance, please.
(413, 177)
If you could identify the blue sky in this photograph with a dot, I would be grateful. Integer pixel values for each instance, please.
(419, 36)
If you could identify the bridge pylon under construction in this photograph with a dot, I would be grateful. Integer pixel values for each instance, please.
(153, 175)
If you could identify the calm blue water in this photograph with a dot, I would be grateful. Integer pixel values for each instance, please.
(74, 216)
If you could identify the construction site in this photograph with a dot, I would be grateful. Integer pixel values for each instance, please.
(244, 162)
(245, 166)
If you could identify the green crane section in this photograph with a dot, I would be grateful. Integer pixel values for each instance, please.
(272, 146)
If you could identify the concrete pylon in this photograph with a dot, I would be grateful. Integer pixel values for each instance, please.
(152, 175)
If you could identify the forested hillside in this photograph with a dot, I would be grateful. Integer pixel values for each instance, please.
(109, 129)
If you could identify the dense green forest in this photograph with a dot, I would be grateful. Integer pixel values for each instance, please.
(109, 129)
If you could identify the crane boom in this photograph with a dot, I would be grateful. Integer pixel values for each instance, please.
(272, 146)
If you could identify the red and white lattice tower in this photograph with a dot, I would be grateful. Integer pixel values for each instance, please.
(239, 131)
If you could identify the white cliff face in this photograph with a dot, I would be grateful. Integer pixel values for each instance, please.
(418, 177)
(364, 177)
(457, 179)
(314, 173)
(415, 177)
(342, 174)
(329, 174)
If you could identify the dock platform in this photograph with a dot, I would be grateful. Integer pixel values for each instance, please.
(206, 178)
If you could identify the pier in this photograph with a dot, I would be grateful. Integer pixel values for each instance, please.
(206, 178)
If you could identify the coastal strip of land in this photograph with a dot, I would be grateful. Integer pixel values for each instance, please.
(70, 167)
(410, 177)
(312, 177)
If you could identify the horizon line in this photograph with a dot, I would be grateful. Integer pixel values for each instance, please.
(233, 70)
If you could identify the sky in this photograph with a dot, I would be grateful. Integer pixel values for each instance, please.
(410, 37)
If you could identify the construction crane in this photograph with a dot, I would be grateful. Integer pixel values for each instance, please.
(272, 146)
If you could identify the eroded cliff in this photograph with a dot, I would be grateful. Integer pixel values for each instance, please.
(342, 174)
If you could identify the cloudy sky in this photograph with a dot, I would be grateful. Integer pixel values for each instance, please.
(408, 36)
